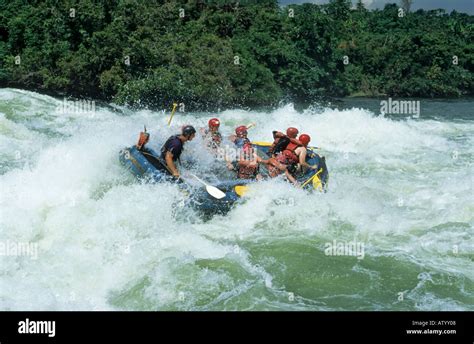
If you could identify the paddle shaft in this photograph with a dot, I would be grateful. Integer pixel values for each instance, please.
(212, 190)
(172, 113)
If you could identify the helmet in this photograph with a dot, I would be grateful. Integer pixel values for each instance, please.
(292, 132)
(242, 130)
(188, 130)
(214, 123)
(304, 139)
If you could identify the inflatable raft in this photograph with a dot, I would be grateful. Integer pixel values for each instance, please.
(146, 164)
(143, 163)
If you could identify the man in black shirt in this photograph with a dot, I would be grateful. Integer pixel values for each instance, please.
(173, 147)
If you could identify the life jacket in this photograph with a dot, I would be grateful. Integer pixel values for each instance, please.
(279, 145)
(240, 142)
(215, 136)
(289, 154)
(246, 172)
(143, 140)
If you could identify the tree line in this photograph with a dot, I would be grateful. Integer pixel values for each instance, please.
(212, 53)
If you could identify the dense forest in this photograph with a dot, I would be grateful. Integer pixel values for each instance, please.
(232, 53)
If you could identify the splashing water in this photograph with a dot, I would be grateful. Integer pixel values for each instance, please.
(402, 188)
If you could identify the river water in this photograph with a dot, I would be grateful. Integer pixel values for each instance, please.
(393, 232)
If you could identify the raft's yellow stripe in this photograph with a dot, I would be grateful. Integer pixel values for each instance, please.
(261, 143)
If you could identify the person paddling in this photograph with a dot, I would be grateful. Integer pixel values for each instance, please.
(211, 135)
(240, 138)
(292, 158)
(280, 140)
(248, 165)
(301, 152)
(172, 149)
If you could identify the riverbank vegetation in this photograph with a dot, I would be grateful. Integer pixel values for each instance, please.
(229, 53)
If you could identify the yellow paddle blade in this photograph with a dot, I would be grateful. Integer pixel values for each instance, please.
(315, 179)
(240, 190)
(317, 185)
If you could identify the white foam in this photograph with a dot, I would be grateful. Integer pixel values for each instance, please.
(99, 230)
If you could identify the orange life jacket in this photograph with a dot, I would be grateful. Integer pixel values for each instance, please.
(215, 136)
(247, 172)
(143, 140)
(289, 154)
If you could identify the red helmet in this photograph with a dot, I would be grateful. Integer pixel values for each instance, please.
(292, 132)
(214, 123)
(304, 139)
(242, 130)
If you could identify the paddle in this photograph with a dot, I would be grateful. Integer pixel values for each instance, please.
(312, 178)
(172, 113)
(267, 144)
(211, 190)
(251, 125)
